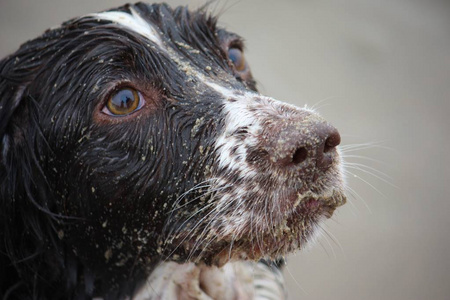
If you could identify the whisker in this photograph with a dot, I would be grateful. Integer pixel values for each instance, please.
(295, 280)
(210, 191)
(331, 236)
(368, 183)
(321, 103)
(190, 231)
(351, 164)
(360, 167)
(231, 245)
(363, 146)
(354, 193)
(345, 156)
(217, 210)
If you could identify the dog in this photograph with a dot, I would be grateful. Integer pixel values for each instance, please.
(138, 161)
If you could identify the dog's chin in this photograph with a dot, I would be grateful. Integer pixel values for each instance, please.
(268, 240)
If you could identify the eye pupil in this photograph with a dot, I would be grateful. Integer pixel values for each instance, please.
(123, 102)
(123, 99)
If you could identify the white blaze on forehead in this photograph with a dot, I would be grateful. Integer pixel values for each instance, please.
(220, 89)
(133, 22)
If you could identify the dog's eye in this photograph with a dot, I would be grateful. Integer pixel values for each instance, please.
(123, 102)
(237, 58)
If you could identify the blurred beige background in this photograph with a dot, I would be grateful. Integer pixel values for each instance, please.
(379, 70)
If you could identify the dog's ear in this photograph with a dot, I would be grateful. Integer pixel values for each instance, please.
(15, 76)
(11, 95)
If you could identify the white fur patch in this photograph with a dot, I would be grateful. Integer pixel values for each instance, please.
(237, 280)
(133, 22)
(243, 113)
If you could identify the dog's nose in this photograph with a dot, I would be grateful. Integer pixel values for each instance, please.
(301, 144)
(318, 146)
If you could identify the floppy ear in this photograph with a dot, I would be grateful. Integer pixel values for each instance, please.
(18, 72)
(8, 104)
(15, 75)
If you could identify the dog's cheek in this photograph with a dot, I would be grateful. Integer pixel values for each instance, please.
(123, 189)
(115, 225)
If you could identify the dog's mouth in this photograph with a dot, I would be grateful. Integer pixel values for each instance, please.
(291, 233)
(216, 242)
(322, 205)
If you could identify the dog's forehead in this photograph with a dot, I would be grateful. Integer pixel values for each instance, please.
(165, 31)
(163, 28)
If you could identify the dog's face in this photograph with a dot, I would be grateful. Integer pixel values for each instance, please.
(137, 135)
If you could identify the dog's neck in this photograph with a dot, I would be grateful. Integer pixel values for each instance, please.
(236, 280)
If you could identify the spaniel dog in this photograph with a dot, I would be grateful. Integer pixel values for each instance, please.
(139, 161)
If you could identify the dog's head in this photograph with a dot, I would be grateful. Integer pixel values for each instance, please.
(137, 135)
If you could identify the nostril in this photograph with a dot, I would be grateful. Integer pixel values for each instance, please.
(333, 140)
(300, 155)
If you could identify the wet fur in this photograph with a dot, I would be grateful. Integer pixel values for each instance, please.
(91, 205)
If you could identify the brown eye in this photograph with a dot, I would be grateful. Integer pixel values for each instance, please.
(237, 58)
(123, 102)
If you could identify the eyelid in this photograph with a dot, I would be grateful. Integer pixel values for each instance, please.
(236, 42)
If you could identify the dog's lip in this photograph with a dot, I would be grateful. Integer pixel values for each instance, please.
(321, 204)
